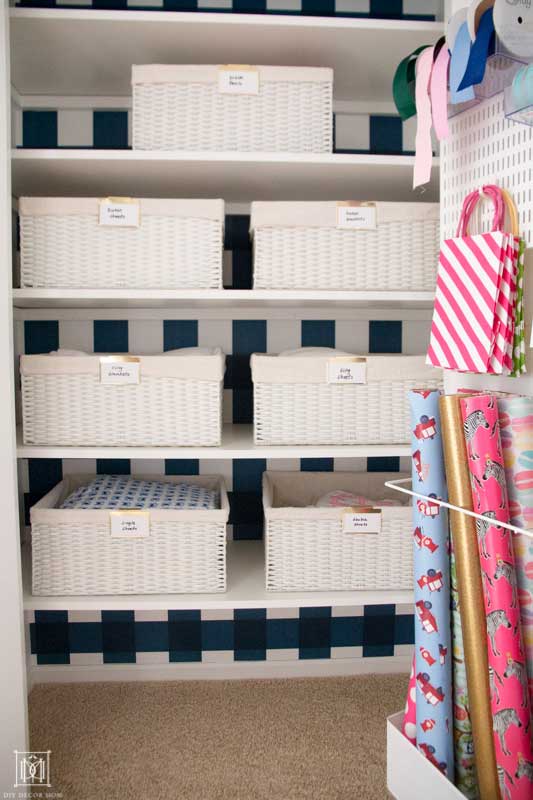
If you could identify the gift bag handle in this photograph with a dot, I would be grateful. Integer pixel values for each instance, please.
(470, 203)
(513, 213)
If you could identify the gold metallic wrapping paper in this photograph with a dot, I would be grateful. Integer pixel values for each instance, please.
(470, 588)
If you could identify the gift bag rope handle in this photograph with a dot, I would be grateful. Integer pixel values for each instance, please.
(470, 203)
(502, 200)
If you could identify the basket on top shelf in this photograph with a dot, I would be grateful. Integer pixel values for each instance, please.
(170, 400)
(76, 551)
(325, 396)
(232, 108)
(312, 548)
(91, 243)
(345, 245)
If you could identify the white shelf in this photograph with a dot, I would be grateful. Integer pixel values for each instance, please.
(237, 442)
(214, 298)
(246, 589)
(90, 52)
(236, 177)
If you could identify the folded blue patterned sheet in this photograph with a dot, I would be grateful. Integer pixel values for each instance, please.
(122, 491)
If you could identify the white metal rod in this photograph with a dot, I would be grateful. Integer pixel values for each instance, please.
(398, 488)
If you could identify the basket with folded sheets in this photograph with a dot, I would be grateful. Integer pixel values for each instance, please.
(67, 242)
(232, 108)
(312, 544)
(173, 399)
(130, 535)
(313, 245)
(318, 395)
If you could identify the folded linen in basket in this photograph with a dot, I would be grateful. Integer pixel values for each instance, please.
(341, 499)
(121, 491)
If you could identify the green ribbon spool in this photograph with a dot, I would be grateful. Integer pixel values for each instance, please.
(403, 85)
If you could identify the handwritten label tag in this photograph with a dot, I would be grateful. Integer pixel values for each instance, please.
(354, 216)
(120, 370)
(238, 79)
(346, 370)
(361, 520)
(120, 212)
(130, 524)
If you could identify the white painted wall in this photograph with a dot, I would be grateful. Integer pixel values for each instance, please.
(13, 703)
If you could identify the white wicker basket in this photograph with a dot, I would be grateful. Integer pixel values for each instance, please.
(73, 552)
(177, 402)
(307, 549)
(177, 245)
(182, 108)
(300, 246)
(295, 404)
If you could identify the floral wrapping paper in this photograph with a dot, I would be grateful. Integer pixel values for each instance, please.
(433, 653)
(507, 668)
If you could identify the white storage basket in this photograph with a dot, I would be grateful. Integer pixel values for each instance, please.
(182, 108)
(178, 244)
(303, 246)
(74, 553)
(295, 404)
(307, 549)
(176, 403)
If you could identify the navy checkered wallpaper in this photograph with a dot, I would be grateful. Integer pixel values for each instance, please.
(158, 637)
(391, 9)
(376, 134)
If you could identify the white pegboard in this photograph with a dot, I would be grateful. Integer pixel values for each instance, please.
(484, 147)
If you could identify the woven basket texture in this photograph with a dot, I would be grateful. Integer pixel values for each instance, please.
(162, 253)
(397, 256)
(83, 559)
(157, 412)
(285, 117)
(375, 413)
(318, 556)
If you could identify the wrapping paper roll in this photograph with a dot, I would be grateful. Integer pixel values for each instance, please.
(507, 668)
(434, 712)
(516, 426)
(465, 762)
(409, 720)
(470, 589)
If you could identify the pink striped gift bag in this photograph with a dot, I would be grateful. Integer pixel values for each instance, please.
(474, 316)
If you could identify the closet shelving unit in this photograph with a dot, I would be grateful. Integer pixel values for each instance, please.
(62, 58)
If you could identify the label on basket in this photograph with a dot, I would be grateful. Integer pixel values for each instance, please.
(238, 79)
(361, 520)
(346, 370)
(120, 369)
(120, 212)
(129, 524)
(355, 216)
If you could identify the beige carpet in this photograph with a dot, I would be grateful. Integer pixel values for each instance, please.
(249, 740)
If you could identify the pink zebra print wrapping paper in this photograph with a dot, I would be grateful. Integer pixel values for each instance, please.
(516, 427)
(507, 668)
(409, 720)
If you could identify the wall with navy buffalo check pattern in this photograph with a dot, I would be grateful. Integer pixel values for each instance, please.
(110, 129)
(94, 638)
(384, 9)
